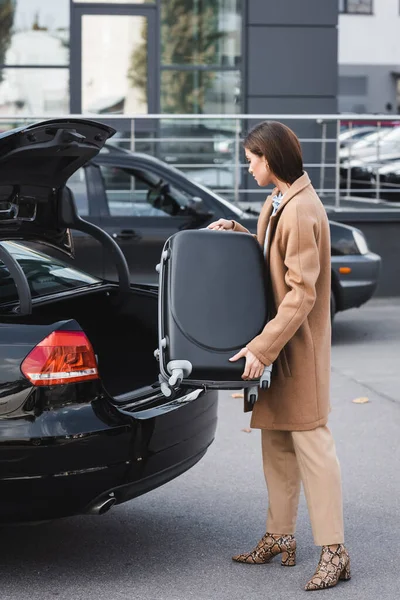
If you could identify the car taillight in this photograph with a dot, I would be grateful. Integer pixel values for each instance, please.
(62, 357)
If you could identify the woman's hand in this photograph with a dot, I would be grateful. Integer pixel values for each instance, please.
(223, 224)
(254, 368)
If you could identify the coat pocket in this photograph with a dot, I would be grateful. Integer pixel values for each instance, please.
(284, 363)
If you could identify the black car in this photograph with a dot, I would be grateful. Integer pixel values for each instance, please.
(357, 175)
(141, 201)
(84, 421)
(84, 424)
(389, 181)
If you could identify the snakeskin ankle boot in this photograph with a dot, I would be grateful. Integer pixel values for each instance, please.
(268, 547)
(334, 565)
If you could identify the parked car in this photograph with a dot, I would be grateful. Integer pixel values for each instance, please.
(84, 424)
(140, 201)
(363, 171)
(188, 142)
(388, 187)
(350, 136)
(389, 181)
(381, 142)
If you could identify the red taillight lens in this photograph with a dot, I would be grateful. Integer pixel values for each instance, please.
(62, 357)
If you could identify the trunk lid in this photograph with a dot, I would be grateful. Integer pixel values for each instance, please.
(35, 163)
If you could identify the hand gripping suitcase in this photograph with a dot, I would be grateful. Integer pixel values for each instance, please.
(212, 302)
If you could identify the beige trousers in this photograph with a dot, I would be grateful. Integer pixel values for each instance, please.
(291, 457)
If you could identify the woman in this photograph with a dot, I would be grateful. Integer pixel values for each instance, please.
(292, 414)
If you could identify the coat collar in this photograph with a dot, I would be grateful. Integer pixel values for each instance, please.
(302, 182)
(298, 186)
(265, 215)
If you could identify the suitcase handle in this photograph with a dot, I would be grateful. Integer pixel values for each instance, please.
(265, 382)
(177, 370)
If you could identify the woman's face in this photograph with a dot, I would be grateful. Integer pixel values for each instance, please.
(258, 167)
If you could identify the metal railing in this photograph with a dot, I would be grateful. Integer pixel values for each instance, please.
(208, 148)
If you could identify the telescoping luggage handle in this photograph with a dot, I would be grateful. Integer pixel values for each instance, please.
(177, 370)
(265, 382)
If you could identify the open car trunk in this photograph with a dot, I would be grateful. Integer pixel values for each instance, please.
(123, 337)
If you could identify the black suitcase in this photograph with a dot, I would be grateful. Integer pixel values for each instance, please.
(212, 302)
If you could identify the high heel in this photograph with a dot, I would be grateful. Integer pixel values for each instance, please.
(345, 575)
(334, 565)
(268, 547)
(288, 558)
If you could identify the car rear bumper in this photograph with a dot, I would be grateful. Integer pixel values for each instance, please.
(356, 287)
(59, 463)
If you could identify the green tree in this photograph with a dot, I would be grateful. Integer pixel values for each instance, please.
(189, 32)
(7, 8)
(190, 35)
(137, 73)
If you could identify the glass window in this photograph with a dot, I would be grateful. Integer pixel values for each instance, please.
(116, 1)
(141, 194)
(114, 64)
(193, 92)
(34, 91)
(77, 185)
(34, 32)
(201, 32)
(45, 275)
(356, 6)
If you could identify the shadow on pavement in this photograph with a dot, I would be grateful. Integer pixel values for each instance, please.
(131, 543)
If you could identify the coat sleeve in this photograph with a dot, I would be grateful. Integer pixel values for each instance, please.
(302, 262)
(238, 227)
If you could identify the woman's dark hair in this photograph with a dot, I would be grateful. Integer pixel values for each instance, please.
(280, 146)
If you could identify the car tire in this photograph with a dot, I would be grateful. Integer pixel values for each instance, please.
(333, 306)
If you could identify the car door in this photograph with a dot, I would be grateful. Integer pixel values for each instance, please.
(143, 209)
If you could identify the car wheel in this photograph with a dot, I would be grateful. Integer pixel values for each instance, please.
(333, 306)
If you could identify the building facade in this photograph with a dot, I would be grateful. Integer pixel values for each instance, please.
(167, 56)
(369, 56)
(179, 56)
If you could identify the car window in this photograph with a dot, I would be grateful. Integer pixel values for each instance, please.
(45, 275)
(77, 184)
(134, 193)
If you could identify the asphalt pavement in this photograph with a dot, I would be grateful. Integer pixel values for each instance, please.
(176, 542)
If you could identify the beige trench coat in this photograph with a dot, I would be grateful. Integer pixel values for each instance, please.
(297, 338)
